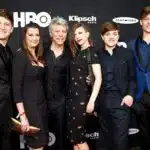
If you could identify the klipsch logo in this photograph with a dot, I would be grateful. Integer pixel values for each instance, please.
(90, 19)
(125, 20)
(43, 19)
(94, 135)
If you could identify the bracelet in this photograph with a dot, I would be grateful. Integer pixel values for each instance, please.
(22, 114)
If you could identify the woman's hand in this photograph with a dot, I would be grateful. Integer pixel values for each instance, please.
(88, 79)
(24, 124)
(90, 107)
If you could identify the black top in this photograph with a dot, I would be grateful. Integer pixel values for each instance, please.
(109, 83)
(57, 72)
(124, 70)
(5, 81)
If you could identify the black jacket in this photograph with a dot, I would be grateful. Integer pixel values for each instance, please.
(5, 82)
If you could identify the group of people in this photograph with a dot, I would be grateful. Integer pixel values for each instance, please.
(61, 81)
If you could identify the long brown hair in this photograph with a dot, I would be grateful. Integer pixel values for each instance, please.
(73, 45)
(39, 49)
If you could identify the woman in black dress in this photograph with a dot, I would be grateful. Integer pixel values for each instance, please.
(28, 88)
(81, 99)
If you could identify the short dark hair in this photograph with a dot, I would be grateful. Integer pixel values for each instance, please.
(108, 26)
(144, 12)
(4, 13)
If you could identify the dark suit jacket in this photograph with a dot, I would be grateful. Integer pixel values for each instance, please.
(142, 74)
(5, 82)
(124, 70)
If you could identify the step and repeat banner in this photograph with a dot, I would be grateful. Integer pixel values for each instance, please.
(92, 12)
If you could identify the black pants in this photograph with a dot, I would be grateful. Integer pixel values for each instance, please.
(4, 136)
(142, 110)
(114, 122)
(57, 121)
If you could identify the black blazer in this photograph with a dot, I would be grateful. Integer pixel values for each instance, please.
(6, 56)
(124, 70)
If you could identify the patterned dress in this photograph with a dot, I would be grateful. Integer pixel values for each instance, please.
(79, 94)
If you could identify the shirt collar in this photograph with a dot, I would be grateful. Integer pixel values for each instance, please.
(141, 40)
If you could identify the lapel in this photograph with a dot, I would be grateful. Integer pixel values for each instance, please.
(6, 56)
(137, 61)
(138, 56)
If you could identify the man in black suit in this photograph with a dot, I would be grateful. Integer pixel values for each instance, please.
(118, 88)
(6, 28)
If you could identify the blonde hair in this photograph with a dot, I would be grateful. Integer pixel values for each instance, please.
(58, 21)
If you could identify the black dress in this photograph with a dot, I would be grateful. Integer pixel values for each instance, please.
(79, 95)
(28, 87)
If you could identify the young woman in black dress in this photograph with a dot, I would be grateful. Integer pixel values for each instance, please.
(28, 87)
(81, 100)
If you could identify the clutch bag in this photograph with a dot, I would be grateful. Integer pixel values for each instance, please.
(16, 125)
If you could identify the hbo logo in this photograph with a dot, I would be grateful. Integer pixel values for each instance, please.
(43, 19)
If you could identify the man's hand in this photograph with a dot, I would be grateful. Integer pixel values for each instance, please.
(127, 100)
